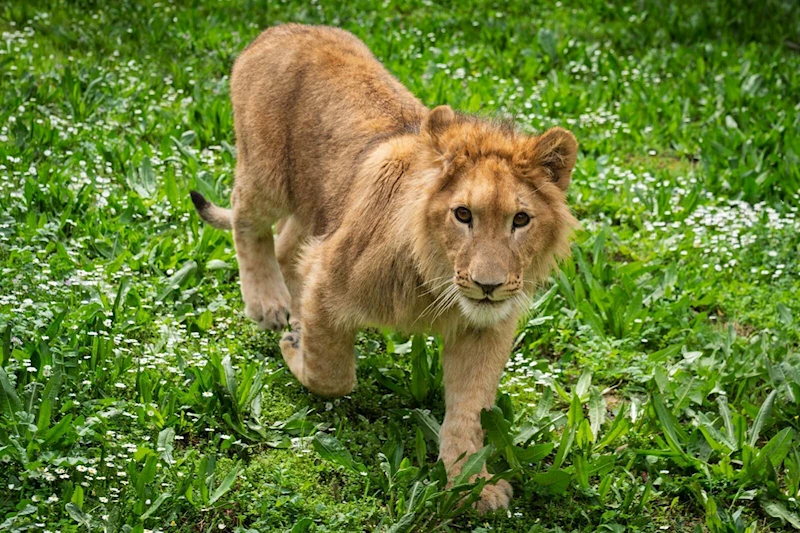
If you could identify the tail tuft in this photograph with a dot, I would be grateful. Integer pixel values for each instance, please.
(214, 215)
(199, 201)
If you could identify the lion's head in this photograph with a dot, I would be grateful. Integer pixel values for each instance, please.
(497, 211)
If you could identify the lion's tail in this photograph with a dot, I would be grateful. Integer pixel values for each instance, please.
(219, 217)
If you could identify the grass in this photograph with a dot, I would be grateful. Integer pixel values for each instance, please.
(655, 385)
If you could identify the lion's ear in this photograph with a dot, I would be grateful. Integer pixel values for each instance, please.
(556, 151)
(438, 120)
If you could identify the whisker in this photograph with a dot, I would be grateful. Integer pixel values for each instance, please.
(442, 284)
(443, 296)
(524, 302)
(447, 304)
(432, 280)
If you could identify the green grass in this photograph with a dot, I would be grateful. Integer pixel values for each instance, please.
(654, 387)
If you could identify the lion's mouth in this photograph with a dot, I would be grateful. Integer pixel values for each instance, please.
(485, 302)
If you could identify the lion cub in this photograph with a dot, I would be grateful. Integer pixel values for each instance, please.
(388, 214)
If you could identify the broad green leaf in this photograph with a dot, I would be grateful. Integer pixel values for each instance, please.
(597, 411)
(785, 315)
(143, 179)
(420, 447)
(554, 481)
(302, 525)
(584, 438)
(581, 471)
(714, 437)
(533, 454)
(166, 439)
(564, 446)
(156, 504)
(778, 446)
(403, 525)
(473, 465)
(725, 414)
(147, 474)
(9, 401)
(79, 516)
(331, 449)
(5, 346)
(229, 377)
(498, 429)
(77, 497)
(669, 425)
(226, 485)
(43, 423)
(177, 279)
(778, 510)
(665, 354)
(429, 426)
(545, 404)
(584, 382)
(56, 432)
(420, 369)
(761, 418)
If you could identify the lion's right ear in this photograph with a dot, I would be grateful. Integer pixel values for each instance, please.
(438, 120)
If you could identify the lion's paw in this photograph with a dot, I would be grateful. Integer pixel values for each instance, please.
(290, 341)
(268, 313)
(494, 497)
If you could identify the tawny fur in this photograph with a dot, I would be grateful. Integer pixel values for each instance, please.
(364, 183)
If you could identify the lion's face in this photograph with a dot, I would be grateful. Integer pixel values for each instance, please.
(500, 218)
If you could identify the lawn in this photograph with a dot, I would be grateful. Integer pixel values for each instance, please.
(654, 386)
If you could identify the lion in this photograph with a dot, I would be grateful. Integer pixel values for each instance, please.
(388, 214)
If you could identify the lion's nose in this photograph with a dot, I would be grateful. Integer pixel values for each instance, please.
(488, 288)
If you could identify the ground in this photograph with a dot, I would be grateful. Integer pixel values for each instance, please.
(653, 387)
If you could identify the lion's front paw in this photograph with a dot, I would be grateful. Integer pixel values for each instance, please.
(494, 497)
(270, 313)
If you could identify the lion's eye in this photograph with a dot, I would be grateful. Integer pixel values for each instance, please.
(521, 219)
(463, 215)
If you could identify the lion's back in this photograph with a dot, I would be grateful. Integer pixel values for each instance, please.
(307, 101)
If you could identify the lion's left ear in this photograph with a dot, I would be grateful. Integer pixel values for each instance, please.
(556, 151)
(435, 123)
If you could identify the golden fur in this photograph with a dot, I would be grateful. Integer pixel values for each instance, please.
(388, 215)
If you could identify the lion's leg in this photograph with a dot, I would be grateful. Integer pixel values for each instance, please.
(320, 354)
(264, 292)
(291, 236)
(472, 366)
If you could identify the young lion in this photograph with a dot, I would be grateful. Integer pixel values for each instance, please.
(388, 215)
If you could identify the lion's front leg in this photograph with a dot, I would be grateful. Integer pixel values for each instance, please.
(472, 367)
(320, 352)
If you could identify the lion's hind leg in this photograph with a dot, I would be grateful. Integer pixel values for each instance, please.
(291, 238)
(255, 209)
